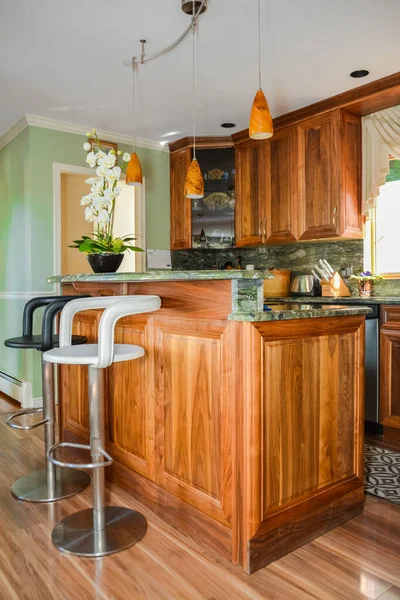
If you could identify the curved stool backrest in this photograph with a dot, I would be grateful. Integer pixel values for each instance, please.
(115, 307)
(49, 484)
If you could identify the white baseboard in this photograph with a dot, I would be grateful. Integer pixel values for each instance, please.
(17, 388)
(37, 402)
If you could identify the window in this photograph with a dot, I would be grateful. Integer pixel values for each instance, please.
(382, 228)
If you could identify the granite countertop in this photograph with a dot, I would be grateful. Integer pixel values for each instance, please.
(162, 276)
(329, 300)
(288, 312)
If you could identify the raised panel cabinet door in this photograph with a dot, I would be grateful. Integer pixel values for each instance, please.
(389, 397)
(251, 192)
(351, 219)
(193, 420)
(73, 381)
(303, 410)
(130, 399)
(281, 221)
(181, 207)
(319, 176)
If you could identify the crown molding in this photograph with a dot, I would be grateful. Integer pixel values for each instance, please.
(35, 121)
(15, 130)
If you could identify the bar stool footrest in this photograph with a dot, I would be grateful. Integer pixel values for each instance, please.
(21, 413)
(50, 455)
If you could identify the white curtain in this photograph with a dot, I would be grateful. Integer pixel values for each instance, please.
(381, 138)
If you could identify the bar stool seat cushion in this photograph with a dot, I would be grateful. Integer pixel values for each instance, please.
(35, 341)
(88, 354)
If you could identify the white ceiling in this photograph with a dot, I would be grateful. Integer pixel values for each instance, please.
(64, 60)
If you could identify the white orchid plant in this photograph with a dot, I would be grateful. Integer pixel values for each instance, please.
(100, 202)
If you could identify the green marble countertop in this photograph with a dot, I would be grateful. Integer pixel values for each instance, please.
(288, 312)
(162, 276)
(328, 300)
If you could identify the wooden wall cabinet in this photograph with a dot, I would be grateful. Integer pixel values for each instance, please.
(251, 192)
(389, 393)
(266, 189)
(282, 187)
(330, 176)
(302, 184)
(181, 207)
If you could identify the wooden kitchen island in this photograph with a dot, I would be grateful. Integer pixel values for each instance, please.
(241, 428)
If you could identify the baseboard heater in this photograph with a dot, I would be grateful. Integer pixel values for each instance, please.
(17, 388)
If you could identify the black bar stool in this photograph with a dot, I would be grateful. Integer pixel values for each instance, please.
(51, 483)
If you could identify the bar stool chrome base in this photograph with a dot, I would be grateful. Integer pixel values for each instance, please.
(34, 487)
(76, 534)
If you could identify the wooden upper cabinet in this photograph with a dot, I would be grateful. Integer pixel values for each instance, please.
(329, 176)
(181, 208)
(281, 221)
(251, 192)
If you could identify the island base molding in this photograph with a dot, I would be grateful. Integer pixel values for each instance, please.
(245, 436)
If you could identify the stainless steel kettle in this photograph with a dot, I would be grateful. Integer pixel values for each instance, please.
(305, 285)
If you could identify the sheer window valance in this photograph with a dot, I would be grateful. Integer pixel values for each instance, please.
(381, 138)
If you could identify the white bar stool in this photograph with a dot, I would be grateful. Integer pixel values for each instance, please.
(104, 529)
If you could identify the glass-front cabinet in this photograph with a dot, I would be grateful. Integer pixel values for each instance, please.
(213, 217)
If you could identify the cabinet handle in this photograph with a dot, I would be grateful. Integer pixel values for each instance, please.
(334, 217)
(265, 231)
(259, 229)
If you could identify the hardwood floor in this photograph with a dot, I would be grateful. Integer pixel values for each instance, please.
(360, 559)
(8, 405)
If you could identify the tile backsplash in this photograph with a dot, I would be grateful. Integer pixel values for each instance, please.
(298, 257)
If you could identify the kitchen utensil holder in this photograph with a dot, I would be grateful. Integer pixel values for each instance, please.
(335, 287)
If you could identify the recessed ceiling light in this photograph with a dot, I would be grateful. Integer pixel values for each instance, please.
(359, 73)
(228, 125)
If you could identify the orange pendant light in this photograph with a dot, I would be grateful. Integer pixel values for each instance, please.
(260, 126)
(194, 183)
(134, 174)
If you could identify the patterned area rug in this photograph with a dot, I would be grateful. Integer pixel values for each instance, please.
(382, 473)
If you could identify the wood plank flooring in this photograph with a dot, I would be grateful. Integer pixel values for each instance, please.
(360, 559)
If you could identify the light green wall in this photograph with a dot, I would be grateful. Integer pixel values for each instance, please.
(15, 185)
(48, 146)
(26, 226)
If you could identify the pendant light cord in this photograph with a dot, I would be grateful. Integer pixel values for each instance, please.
(194, 78)
(133, 104)
(259, 44)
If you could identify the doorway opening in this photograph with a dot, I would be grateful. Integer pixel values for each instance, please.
(70, 224)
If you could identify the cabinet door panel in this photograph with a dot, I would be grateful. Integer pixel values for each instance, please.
(281, 215)
(389, 397)
(181, 207)
(319, 182)
(251, 192)
(73, 382)
(130, 399)
(193, 415)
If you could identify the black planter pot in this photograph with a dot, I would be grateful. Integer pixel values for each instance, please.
(105, 262)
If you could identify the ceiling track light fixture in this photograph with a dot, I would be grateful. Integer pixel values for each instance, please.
(200, 7)
(260, 126)
(194, 185)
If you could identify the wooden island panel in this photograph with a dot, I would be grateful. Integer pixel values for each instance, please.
(304, 414)
(194, 413)
(246, 435)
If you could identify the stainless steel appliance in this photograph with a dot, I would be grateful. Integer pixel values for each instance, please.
(372, 369)
(305, 285)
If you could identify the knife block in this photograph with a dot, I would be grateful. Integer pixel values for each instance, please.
(335, 287)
